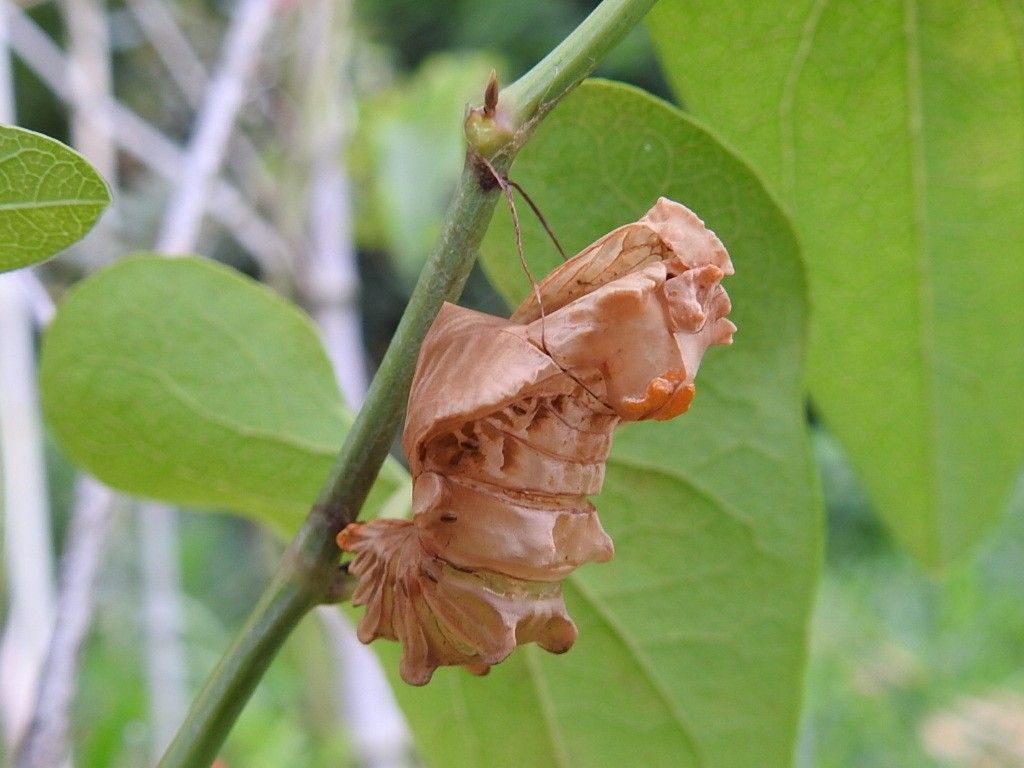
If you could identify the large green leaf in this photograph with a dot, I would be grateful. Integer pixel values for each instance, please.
(49, 197)
(182, 380)
(895, 131)
(693, 640)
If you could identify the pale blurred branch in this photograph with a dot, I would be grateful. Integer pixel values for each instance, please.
(48, 741)
(329, 282)
(330, 278)
(26, 513)
(380, 737)
(179, 234)
(214, 123)
(188, 72)
(27, 536)
(179, 58)
(91, 85)
(151, 147)
(38, 298)
(163, 620)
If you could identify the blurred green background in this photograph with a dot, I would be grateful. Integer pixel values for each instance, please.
(907, 670)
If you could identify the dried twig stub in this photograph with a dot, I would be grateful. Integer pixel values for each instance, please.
(508, 428)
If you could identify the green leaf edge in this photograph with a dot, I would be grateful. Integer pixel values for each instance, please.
(89, 172)
(391, 470)
(814, 481)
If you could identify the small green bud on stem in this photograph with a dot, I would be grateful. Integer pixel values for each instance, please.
(487, 129)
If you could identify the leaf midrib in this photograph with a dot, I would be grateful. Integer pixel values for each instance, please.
(171, 387)
(77, 202)
(547, 708)
(631, 462)
(919, 185)
(926, 293)
(609, 619)
(787, 99)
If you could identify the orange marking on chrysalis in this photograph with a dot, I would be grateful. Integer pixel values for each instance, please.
(677, 405)
(662, 395)
(675, 375)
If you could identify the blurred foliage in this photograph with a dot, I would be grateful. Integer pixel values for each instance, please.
(522, 31)
(406, 157)
(897, 657)
(290, 719)
(906, 670)
(853, 529)
(38, 109)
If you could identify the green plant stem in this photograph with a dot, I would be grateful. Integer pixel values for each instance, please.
(308, 574)
(233, 680)
(559, 72)
(442, 279)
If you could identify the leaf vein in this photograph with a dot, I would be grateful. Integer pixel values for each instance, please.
(919, 192)
(788, 98)
(547, 708)
(616, 628)
(705, 493)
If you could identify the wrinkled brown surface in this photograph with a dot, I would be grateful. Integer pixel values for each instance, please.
(508, 427)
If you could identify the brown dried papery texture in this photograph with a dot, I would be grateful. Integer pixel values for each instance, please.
(508, 428)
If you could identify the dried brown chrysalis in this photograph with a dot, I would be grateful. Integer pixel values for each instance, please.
(508, 428)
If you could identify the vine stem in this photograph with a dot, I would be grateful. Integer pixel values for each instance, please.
(308, 575)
